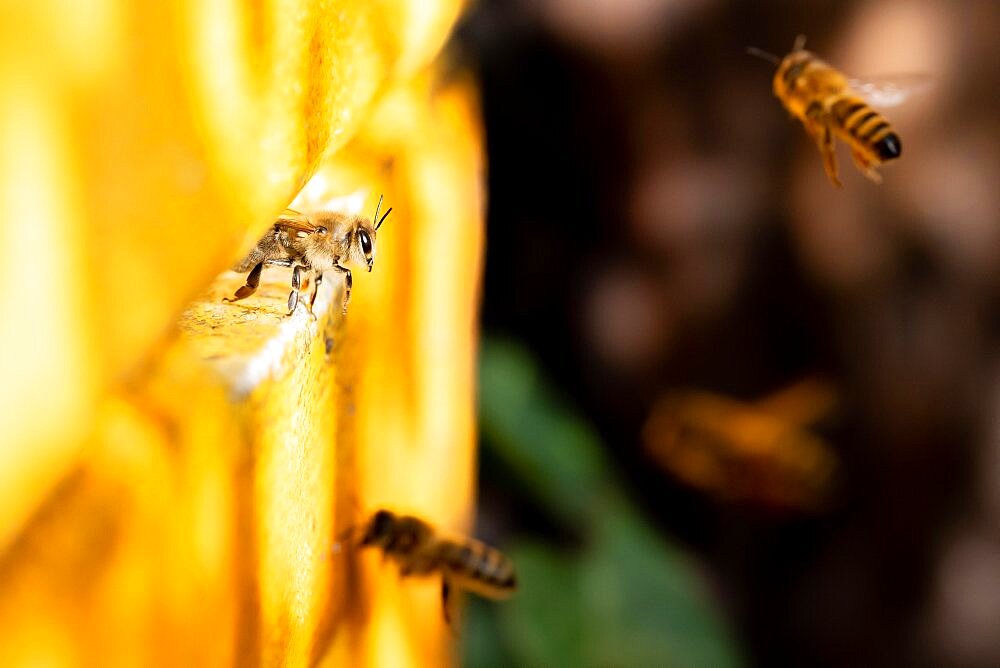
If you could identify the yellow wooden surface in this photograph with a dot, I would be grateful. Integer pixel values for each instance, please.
(174, 473)
(144, 144)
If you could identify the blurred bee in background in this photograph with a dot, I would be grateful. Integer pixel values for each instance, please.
(464, 563)
(319, 243)
(829, 104)
(760, 453)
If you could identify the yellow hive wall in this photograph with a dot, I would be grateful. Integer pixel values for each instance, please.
(174, 471)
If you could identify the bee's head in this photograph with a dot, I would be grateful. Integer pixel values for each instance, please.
(380, 529)
(395, 534)
(791, 66)
(364, 235)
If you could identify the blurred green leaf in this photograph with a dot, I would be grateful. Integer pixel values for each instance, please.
(629, 597)
(482, 646)
(646, 600)
(545, 623)
(557, 456)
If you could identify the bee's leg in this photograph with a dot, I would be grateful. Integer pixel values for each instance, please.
(826, 148)
(306, 284)
(446, 600)
(253, 280)
(316, 283)
(824, 141)
(348, 282)
(293, 296)
(865, 166)
(819, 128)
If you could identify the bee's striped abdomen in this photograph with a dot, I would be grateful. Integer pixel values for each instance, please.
(480, 568)
(867, 127)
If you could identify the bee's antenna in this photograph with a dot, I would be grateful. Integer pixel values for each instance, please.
(347, 537)
(770, 57)
(378, 221)
(353, 532)
(800, 43)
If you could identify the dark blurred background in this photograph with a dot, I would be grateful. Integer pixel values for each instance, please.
(665, 254)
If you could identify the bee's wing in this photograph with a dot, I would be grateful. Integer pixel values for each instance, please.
(292, 220)
(891, 90)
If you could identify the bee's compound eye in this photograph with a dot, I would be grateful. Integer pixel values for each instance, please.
(366, 242)
(379, 528)
(382, 521)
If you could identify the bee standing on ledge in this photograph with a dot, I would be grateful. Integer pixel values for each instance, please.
(829, 104)
(326, 241)
(464, 563)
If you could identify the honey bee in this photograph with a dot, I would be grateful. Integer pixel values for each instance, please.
(322, 242)
(761, 452)
(464, 563)
(829, 104)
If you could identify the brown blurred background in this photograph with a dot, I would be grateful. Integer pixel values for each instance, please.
(658, 225)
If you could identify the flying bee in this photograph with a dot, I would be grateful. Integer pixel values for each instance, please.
(829, 104)
(418, 549)
(319, 243)
(762, 453)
